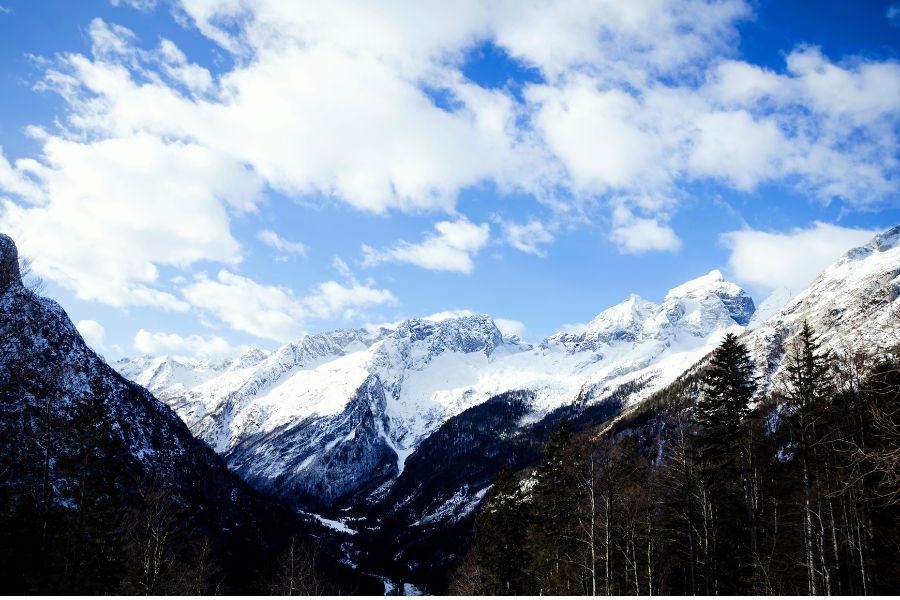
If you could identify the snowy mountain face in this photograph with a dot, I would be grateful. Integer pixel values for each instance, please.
(337, 415)
(853, 304)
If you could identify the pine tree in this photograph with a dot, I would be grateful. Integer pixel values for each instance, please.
(724, 464)
(556, 497)
(500, 536)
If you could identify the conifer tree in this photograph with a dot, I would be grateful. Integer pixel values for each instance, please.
(555, 535)
(500, 537)
(721, 446)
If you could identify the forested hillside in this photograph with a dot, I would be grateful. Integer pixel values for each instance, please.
(719, 484)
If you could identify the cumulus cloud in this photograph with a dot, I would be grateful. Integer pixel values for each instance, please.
(737, 147)
(451, 248)
(330, 299)
(275, 312)
(273, 240)
(266, 311)
(636, 235)
(369, 105)
(148, 342)
(93, 333)
(527, 237)
(510, 327)
(790, 259)
(111, 212)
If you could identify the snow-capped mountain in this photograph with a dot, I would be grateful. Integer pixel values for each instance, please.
(337, 414)
(852, 304)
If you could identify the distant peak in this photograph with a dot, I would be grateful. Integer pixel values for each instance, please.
(709, 282)
(9, 262)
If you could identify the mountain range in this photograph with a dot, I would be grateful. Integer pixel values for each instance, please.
(391, 436)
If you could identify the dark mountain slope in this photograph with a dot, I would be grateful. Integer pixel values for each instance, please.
(102, 487)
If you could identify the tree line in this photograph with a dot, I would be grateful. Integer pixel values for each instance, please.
(716, 486)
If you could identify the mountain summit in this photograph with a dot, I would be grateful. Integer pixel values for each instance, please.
(336, 415)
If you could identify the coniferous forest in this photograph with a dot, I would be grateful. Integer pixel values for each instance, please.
(714, 486)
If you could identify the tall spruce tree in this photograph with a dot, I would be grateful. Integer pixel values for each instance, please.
(721, 446)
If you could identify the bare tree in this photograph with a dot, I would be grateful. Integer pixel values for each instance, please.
(31, 280)
(297, 573)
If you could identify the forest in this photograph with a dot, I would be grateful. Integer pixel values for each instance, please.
(713, 486)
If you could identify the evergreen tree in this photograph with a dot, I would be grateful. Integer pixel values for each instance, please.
(724, 463)
(555, 536)
(500, 535)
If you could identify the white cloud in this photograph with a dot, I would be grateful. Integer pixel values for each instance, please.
(148, 342)
(792, 259)
(141, 5)
(636, 235)
(93, 333)
(595, 135)
(269, 312)
(736, 147)
(444, 315)
(622, 39)
(510, 327)
(273, 240)
(527, 237)
(450, 249)
(111, 40)
(274, 312)
(372, 137)
(337, 100)
(113, 211)
(331, 298)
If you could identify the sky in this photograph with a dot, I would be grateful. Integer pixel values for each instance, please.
(195, 176)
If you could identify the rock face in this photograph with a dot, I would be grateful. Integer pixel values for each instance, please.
(332, 419)
(9, 262)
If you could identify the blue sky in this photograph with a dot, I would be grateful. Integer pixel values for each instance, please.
(192, 177)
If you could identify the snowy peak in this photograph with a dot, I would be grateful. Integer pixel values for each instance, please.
(882, 243)
(624, 321)
(465, 334)
(737, 301)
(852, 304)
(700, 286)
(252, 356)
(695, 309)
